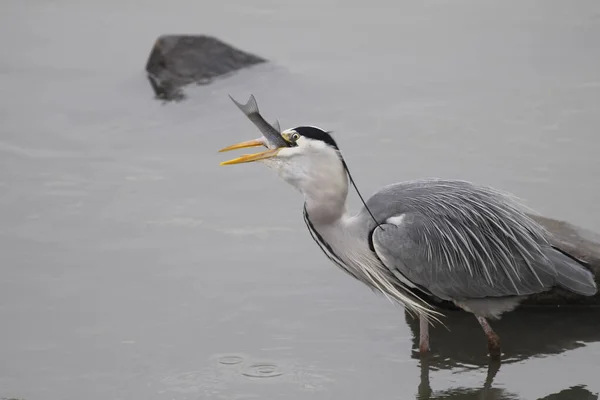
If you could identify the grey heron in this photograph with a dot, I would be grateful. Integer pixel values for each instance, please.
(423, 241)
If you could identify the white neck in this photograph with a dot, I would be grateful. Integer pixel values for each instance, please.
(315, 169)
(325, 201)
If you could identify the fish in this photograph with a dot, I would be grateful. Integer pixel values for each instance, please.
(271, 138)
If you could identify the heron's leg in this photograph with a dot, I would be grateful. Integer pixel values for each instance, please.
(493, 338)
(423, 334)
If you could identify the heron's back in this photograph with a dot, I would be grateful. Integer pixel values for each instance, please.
(462, 240)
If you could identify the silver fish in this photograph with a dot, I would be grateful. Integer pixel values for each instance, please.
(271, 138)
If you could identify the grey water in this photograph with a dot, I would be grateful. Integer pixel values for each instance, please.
(133, 266)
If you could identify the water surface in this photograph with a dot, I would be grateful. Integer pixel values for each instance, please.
(134, 266)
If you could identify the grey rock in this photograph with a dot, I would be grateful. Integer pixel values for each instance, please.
(179, 60)
(581, 244)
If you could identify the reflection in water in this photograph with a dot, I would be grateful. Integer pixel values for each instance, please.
(526, 333)
(487, 392)
(572, 393)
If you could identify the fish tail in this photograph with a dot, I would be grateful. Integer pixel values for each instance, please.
(277, 126)
(251, 107)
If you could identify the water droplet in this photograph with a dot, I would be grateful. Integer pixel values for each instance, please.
(231, 360)
(262, 371)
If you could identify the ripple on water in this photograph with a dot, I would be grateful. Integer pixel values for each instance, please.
(262, 370)
(230, 360)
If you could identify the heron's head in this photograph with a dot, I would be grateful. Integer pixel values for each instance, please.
(311, 163)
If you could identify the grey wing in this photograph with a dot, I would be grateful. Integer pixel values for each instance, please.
(454, 260)
(462, 241)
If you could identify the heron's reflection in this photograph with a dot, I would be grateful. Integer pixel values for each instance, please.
(527, 333)
(487, 392)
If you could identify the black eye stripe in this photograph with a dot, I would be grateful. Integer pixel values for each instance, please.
(316, 134)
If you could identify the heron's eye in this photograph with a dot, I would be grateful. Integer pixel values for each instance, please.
(295, 136)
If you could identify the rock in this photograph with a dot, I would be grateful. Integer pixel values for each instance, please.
(578, 242)
(179, 60)
(581, 244)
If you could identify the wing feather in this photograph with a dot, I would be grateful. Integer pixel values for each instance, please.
(453, 272)
(460, 240)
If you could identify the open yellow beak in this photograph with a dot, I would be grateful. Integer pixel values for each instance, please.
(248, 157)
(243, 145)
(252, 157)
